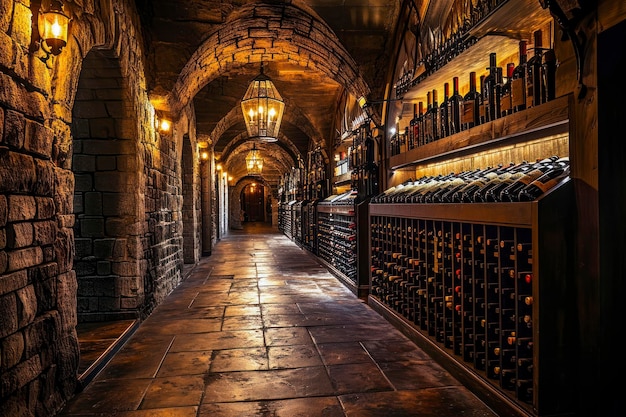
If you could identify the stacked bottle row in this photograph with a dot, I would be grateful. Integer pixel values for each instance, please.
(442, 49)
(468, 287)
(336, 235)
(513, 183)
(529, 83)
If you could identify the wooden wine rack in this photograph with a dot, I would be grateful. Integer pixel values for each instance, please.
(473, 283)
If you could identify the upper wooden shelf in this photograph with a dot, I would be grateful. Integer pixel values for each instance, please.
(550, 118)
(498, 32)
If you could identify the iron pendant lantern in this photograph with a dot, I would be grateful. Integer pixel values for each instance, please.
(254, 162)
(262, 108)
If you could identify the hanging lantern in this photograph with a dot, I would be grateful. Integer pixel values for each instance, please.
(53, 28)
(254, 162)
(262, 108)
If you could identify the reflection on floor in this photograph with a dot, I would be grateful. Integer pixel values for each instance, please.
(99, 341)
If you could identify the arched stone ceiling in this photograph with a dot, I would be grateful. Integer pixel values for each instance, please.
(207, 52)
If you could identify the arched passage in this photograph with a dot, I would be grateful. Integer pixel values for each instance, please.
(105, 169)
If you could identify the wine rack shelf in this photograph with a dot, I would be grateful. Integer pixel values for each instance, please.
(547, 119)
(473, 283)
(336, 232)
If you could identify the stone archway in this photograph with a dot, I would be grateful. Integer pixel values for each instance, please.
(105, 169)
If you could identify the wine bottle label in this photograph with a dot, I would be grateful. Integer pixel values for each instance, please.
(506, 103)
(517, 92)
(468, 112)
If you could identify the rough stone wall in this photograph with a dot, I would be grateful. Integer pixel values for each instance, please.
(39, 350)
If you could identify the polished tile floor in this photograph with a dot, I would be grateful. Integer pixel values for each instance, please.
(261, 328)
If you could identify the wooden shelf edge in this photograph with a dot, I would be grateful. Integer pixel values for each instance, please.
(541, 121)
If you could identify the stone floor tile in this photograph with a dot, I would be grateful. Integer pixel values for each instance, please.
(174, 391)
(185, 363)
(109, 396)
(218, 340)
(286, 336)
(298, 356)
(343, 353)
(298, 407)
(231, 360)
(358, 377)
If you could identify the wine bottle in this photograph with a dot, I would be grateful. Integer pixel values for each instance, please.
(518, 83)
(535, 89)
(444, 116)
(549, 74)
(455, 108)
(546, 181)
(428, 128)
(506, 103)
(488, 85)
(471, 104)
(511, 192)
(413, 129)
(481, 102)
(435, 117)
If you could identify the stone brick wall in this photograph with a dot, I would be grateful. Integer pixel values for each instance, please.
(88, 187)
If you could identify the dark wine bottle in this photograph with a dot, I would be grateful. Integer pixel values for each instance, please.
(471, 104)
(506, 103)
(549, 74)
(511, 192)
(435, 117)
(482, 114)
(488, 85)
(455, 108)
(428, 128)
(546, 181)
(444, 116)
(535, 89)
(518, 83)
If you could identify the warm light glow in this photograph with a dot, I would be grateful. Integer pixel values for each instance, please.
(219, 167)
(254, 162)
(204, 155)
(262, 108)
(392, 130)
(165, 125)
(362, 101)
(53, 28)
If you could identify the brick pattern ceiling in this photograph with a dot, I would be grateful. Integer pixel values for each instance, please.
(320, 50)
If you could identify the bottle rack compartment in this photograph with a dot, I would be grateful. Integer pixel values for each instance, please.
(468, 287)
(336, 234)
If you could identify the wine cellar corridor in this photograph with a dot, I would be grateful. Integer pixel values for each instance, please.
(311, 208)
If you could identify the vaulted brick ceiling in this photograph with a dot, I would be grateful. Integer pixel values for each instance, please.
(315, 51)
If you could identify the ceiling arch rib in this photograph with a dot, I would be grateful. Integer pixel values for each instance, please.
(290, 151)
(265, 32)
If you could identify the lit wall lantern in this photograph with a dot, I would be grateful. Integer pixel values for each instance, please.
(204, 155)
(262, 108)
(254, 162)
(53, 26)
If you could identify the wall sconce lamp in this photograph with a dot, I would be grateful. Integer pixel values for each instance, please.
(52, 27)
(204, 155)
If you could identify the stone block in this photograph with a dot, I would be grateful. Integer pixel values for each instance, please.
(45, 178)
(103, 128)
(85, 268)
(45, 232)
(83, 247)
(67, 287)
(45, 208)
(48, 253)
(83, 163)
(116, 227)
(120, 248)
(3, 239)
(108, 303)
(103, 268)
(21, 207)
(93, 203)
(38, 139)
(13, 282)
(26, 305)
(103, 248)
(90, 109)
(92, 226)
(12, 349)
(118, 204)
(125, 269)
(83, 182)
(106, 163)
(3, 211)
(64, 249)
(104, 286)
(78, 204)
(17, 172)
(4, 262)
(19, 235)
(24, 258)
(14, 129)
(8, 319)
